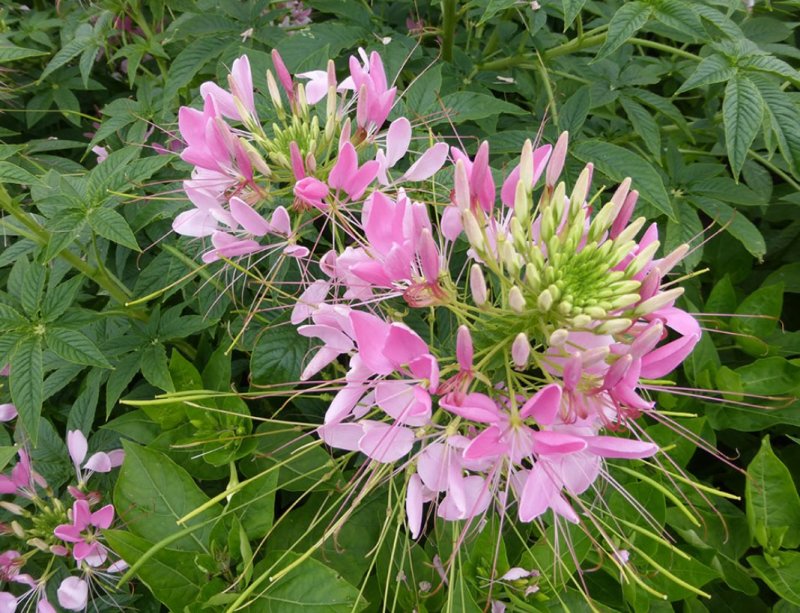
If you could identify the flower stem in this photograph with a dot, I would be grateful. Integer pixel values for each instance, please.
(448, 28)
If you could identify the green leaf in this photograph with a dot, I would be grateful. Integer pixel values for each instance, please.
(493, 7)
(172, 576)
(311, 586)
(11, 53)
(153, 493)
(10, 318)
(192, 58)
(628, 20)
(75, 347)
(59, 298)
(742, 111)
(25, 381)
(678, 15)
(757, 317)
(111, 225)
(618, 164)
(784, 119)
(643, 124)
(770, 65)
(572, 9)
(772, 502)
(155, 367)
(6, 452)
(466, 106)
(421, 94)
(715, 68)
(788, 275)
(254, 505)
(11, 173)
(574, 111)
(781, 572)
(70, 50)
(278, 355)
(735, 223)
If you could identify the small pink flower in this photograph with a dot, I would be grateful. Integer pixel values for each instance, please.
(82, 532)
(100, 462)
(7, 412)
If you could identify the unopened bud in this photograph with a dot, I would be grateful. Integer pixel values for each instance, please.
(642, 259)
(544, 301)
(557, 158)
(472, 230)
(624, 300)
(595, 312)
(520, 350)
(595, 355)
(12, 508)
(461, 195)
(670, 260)
(630, 232)
(19, 532)
(559, 337)
(526, 168)
(39, 544)
(516, 300)
(255, 158)
(658, 301)
(613, 326)
(581, 321)
(581, 188)
(532, 278)
(274, 94)
(477, 285)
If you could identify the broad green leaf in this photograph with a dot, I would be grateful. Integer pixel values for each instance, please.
(772, 502)
(715, 68)
(771, 65)
(11, 53)
(153, 493)
(493, 7)
(643, 124)
(573, 113)
(302, 463)
(572, 9)
(421, 94)
(757, 317)
(155, 367)
(742, 111)
(191, 59)
(26, 383)
(60, 298)
(619, 163)
(172, 576)
(6, 452)
(70, 50)
(466, 106)
(736, 224)
(111, 225)
(628, 19)
(74, 346)
(254, 505)
(11, 173)
(781, 572)
(784, 119)
(679, 15)
(10, 318)
(788, 275)
(310, 586)
(278, 356)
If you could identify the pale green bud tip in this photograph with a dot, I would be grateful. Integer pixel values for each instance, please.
(472, 230)
(559, 337)
(526, 166)
(544, 301)
(613, 326)
(658, 301)
(461, 181)
(516, 300)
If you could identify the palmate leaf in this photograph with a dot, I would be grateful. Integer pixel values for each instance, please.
(679, 15)
(628, 20)
(742, 111)
(83, 38)
(75, 347)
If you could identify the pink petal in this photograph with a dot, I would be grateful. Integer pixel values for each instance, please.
(280, 221)
(537, 494)
(247, 217)
(540, 157)
(345, 167)
(7, 412)
(309, 300)
(77, 446)
(544, 405)
(398, 138)
(476, 500)
(474, 406)
(666, 358)
(547, 442)
(432, 467)
(7, 485)
(117, 457)
(73, 594)
(242, 83)
(68, 533)
(317, 86)
(414, 505)
(341, 436)
(8, 602)
(102, 518)
(343, 403)
(371, 333)
(195, 223)
(81, 515)
(464, 350)
(616, 447)
(428, 256)
(399, 400)
(403, 345)
(557, 160)
(99, 463)
(43, 606)
(488, 444)
(385, 443)
(428, 164)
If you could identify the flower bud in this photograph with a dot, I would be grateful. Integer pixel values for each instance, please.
(630, 232)
(12, 508)
(516, 300)
(477, 285)
(472, 230)
(642, 259)
(544, 301)
(521, 350)
(559, 337)
(613, 326)
(557, 158)
(19, 532)
(275, 94)
(658, 301)
(39, 544)
(525, 169)
(461, 195)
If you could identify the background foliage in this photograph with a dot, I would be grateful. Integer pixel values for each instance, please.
(696, 100)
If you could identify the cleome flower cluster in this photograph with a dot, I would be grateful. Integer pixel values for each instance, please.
(491, 337)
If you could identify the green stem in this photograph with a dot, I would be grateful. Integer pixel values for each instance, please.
(448, 28)
(505, 62)
(576, 44)
(773, 168)
(643, 42)
(549, 90)
(42, 236)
